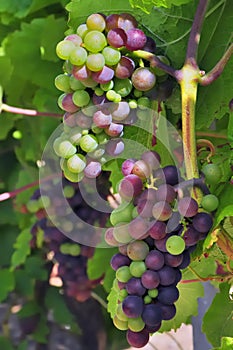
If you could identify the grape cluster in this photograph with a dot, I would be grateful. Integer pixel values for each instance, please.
(156, 227)
(69, 258)
(104, 88)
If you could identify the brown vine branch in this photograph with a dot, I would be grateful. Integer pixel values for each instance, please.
(208, 78)
(194, 36)
(28, 112)
(215, 135)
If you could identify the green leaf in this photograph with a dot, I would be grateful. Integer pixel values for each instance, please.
(29, 309)
(114, 166)
(7, 237)
(226, 344)
(22, 248)
(225, 204)
(100, 262)
(35, 267)
(217, 322)
(24, 284)
(5, 344)
(187, 305)
(113, 299)
(7, 283)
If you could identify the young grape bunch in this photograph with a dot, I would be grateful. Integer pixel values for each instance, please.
(104, 88)
(69, 257)
(156, 227)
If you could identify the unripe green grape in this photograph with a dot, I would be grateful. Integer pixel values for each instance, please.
(96, 129)
(137, 268)
(210, 202)
(82, 30)
(121, 325)
(96, 22)
(108, 86)
(97, 153)
(123, 87)
(75, 84)
(76, 163)
(88, 143)
(75, 250)
(175, 245)
(75, 136)
(64, 149)
(153, 293)
(33, 206)
(68, 191)
(95, 41)
(72, 177)
(78, 56)
(64, 48)
(102, 138)
(112, 56)
(123, 274)
(212, 173)
(65, 248)
(121, 233)
(111, 95)
(136, 324)
(133, 104)
(147, 299)
(44, 201)
(95, 62)
(123, 294)
(122, 214)
(81, 98)
(62, 82)
(144, 102)
(99, 91)
(137, 93)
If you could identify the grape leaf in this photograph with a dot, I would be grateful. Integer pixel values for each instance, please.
(5, 344)
(8, 237)
(113, 299)
(217, 321)
(24, 285)
(7, 283)
(225, 207)
(147, 6)
(22, 248)
(226, 344)
(34, 266)
(186, 305)
(100, 262)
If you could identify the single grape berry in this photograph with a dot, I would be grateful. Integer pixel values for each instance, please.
(212, 173)
(175, 245)
(210, 202)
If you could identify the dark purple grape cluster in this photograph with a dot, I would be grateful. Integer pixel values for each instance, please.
(69, 257)
(104, 88)
(156, 227)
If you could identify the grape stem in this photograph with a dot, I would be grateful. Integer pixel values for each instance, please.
(28, 112)
(6, 195)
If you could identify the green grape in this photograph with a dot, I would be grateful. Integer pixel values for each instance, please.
(212, 173)
(98, 91)
(97, 153)
(147, 299)
(210, 202)
(144, 103)
(65, 248)
(64, 149)
(108, 86)
(62, 82)
(121, 325)
(133, 104)
(175, 245)
(137, 93)
(81, 98)
(60, 99)
(75, 84)
(76, 163)
(121, 234)
(159, 72)
(95, 41)
(88, 143)
(117, 98)
(69, 191)
(96, 22)
(78, 56)
(69, 175)
(75, 136)
(33, 206)
(64, 48)
(75, 249)
(123, 274)
(112, 56)
(136, 324)
(44, 202)
(95, 62)
(82, 30)
(153, 293)
(123, 87)
(111, 95)
(90, 83)
(137, 250)
(137, 268)
(96, 129)
(102, 138)
(89, 109)
(123, 213)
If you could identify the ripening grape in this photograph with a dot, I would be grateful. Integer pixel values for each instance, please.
(187, 207)
(64, 49)
(104, 75)
(136, 39)
(136, 324)
(96, 22)
(124, 68)
(117, 37)
(162, 211)
(130, 186)
(150, 279)
(95, 62)
(154, 260)
(143, 79)
(137, 250)
(92, 169)
(78, 56)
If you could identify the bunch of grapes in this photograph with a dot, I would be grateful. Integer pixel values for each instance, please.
(105, 86)
(156, 227)
(69, 258)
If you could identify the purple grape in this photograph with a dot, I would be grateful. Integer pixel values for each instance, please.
(150, 279)
(148, 194)
(173, 224)
(81, 73)
(114, 130)
(191, 236)
(93, 169)
(119, 260)
(137, 339)
(136, 39)
(115, 147)
(173, 260)
(138, 228)
(112, 21)
(134, 286)
(178, 276)
(101, 119)
(124, 68)
(167, 275)
(162, 211)
(154, 260)
(131, 186)
(144, 208)
(104, 76)
(99, 100)
(150, 45)
(152, 314)
(157, 230)
(187, 207)
(83, 121)
(168, 311)
(127, 166)
(166, 193)
(202, 222)
(121, 111)
(68, 104)
(152, 158)
(132, 306)
(171, 174)
(141, 169)
(117, 37)
(154, 328)
(186, 260)
(127, 21)
(168, 295)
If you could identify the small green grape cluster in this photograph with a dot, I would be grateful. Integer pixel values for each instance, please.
(104, 88)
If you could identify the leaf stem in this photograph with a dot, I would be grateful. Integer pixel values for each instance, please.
(211, 134)
(194, 37)
(99, 299)
(208, 78)
(28, 112)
